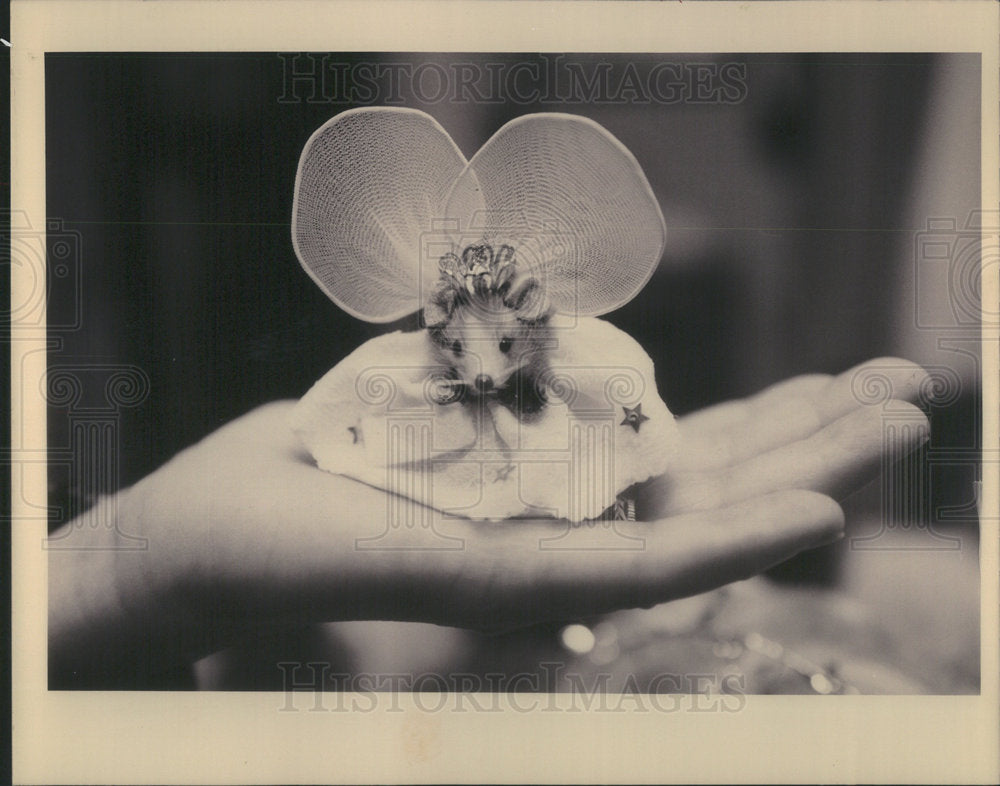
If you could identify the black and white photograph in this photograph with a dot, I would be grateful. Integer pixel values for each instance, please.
(442, 384)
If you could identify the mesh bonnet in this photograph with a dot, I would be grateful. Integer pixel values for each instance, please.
(382, 193)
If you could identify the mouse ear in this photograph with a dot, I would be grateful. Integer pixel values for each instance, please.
(573, 202)
(371, 187)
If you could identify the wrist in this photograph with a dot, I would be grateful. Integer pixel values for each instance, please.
(108, 626)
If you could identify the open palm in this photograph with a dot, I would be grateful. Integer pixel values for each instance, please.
(243, 530)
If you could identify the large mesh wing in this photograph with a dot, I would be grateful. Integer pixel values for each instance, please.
(370, 188)
(573, 202)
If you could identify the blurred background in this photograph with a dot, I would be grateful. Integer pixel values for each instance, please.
(821, 210)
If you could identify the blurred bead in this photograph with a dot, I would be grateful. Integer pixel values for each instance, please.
(606, 653)
(729, 650)
(577, 638)
(822, 684)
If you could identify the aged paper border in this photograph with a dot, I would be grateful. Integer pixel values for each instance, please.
(243, 738)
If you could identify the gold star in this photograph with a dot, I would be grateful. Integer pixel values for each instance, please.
(634, 417)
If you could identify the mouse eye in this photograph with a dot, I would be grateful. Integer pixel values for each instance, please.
(457, 347)
(505, 344)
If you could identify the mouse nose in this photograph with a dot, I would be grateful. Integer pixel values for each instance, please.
(484, 383)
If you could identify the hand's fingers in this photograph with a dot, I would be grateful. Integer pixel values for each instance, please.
(732, 432)
(719, 418)
(741, 540)
(674, 558)
(873, 383)
(792, 411)
(836, 460)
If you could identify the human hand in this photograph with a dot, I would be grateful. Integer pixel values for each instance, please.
(243, 530)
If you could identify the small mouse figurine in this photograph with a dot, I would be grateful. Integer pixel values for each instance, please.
(514, 399)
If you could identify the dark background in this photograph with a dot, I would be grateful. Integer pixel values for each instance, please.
(791, 218)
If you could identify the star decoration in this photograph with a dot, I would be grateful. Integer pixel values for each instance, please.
(634, 417)
(504, 472)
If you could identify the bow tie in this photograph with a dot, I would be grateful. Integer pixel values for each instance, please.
(522, 395)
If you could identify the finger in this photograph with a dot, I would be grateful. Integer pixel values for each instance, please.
(874, 382)
(838, 459)
(792, 411)
(741, 540)
(732, 432)
(722, 417)
(678, 557)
